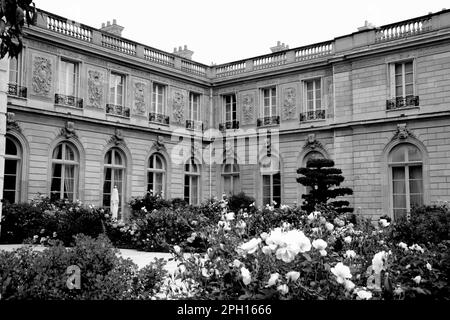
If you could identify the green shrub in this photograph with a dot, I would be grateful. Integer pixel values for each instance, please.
(240, 201)
(427, 224)
(27, 274)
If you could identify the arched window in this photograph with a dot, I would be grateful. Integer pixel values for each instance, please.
(12, 173)
(114, 176)
(271, 181)
(192, 182)
(65, 167)
(230, 178)
(156, 175)
(406, 171)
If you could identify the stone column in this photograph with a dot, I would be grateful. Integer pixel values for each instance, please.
(4, 70)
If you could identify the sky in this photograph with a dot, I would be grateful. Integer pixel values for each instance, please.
(226, 31)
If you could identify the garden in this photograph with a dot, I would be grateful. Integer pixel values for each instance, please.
(228, 249)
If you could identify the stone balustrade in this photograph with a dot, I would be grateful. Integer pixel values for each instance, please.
(276, 60)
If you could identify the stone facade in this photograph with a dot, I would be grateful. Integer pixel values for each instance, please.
(331, 98)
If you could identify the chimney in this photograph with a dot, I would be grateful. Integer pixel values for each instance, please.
(113, 28)
(367, 26)
(183, 52)
(279, 47)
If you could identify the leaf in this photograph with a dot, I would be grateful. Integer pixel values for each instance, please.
(307, 256)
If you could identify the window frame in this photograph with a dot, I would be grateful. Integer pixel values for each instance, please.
(114, 167)
(406, 164)
(154, 104)
(271, 173)
(190, 174)
(192, 96)
(76, 82)
(155, 171)
(124, 86)
(271, 105)
(233, 176)
(314, 91)
(392, 77)
(232, 106)
(64, 162)
(19, 164)
(19, 77)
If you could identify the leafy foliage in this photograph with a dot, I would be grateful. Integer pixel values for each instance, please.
(13, 15)
(323, 181)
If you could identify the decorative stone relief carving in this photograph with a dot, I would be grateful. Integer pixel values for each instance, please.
(328, 97)
(139, 106)
(117, 137)
(229, 150)
(11, 123)
(248, 109)
(178, 103)
(95, 88)
(312, 142)
(42, 76)
(289, 101)
(69, 130)
(159, 143)
(402, 132)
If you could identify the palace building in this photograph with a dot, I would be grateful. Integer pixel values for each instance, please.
(88, 110)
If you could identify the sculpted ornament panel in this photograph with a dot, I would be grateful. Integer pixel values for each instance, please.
(248, 109)
(289, 104)
(139, 98)
(42, 76)
(178, 103)
(95, 88)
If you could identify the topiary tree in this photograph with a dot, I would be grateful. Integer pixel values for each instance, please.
(323, 181)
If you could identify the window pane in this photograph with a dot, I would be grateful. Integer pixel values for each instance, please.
(150, 185)
(227, 185)
(398, 213)
(117, 158)
(398, 154)
(414, 153)
(9, 196)
(10, 166)
(57, 153)
(399, 187)
(408, 67)
(415, 172)
(70, 155)
(398, 68)
(158, 163)
(398, 173)
(399, 201)
(158, 183)
(409, 90)
(194, 190)
(415, 186)
(11, 148)
(108, 157)
(186, 188)
(9, 182)
(416, 200)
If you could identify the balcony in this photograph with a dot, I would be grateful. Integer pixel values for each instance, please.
(117, 110)
(229, 125)
(70, 101)
(157, 117)
(312, 115)
(402, 102)
(268, 121)
(194, 125)
(17, 91)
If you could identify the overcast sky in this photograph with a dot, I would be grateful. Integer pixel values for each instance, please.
(225, 31)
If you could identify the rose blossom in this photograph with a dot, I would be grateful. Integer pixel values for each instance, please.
(292, 276)
(273, 279)
(319, 244)
(341, 271)
(251, 246)
(246, 276)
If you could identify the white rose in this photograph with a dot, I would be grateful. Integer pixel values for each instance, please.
(350, 254)
(349, 285)
(266, 250)
(229, 216)
(364, 295)
(341, 271)
(319, 244)
(378, 261)
(384, 223)
(246, 276)
(417, 279)
(348, 239)
(428, 266)
(323, 253)
(329, 226)
(251, 246)
(273, 279)
(403, 246)
(292, 276)
(283, 289)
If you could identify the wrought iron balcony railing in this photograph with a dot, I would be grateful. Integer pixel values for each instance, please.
(402, 102)
(312, 115)
(117, 110)
(194, 125)
(157, 117)
(17, 91)
(266, 121)
(70, 101)
(229, 125)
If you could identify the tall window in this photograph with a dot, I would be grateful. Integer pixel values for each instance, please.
(192, 182)
(13, 158)
(14, 70)
(269, 96)
(116, 89)
(403, 79)
(405, 162)
(156, 175)
(69, 78)
(271, 181)
(158, 98)
(194, 106)
(113, 176)
(230, 178)
(230, 107)
(65, 166)
(313, 95)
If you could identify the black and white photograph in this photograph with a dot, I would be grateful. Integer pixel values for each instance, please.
(243, 152)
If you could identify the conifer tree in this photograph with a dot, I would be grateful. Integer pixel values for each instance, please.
(323, 181)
